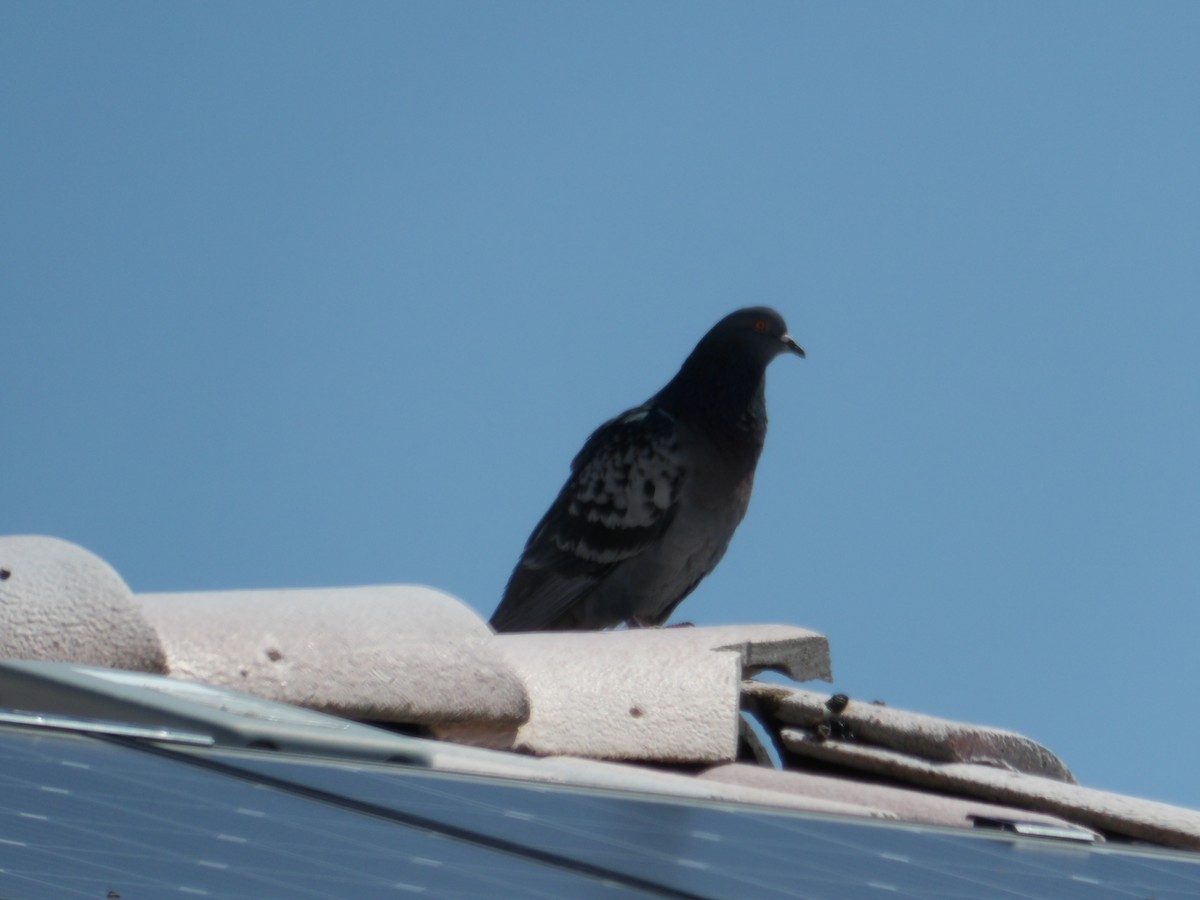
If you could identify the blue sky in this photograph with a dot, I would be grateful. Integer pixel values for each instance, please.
(302, 294)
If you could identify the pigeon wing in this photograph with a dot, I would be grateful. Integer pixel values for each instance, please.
(621, 496)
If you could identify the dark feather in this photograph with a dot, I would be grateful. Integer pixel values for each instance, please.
(620, 498)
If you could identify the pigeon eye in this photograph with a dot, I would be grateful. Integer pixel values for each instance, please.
(760, 324)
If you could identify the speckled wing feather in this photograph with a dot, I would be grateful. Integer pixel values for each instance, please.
(620, 498)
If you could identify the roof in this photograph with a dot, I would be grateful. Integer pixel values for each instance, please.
(660, 761)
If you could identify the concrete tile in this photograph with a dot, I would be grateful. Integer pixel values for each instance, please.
(593, 773)
(928, 737)
(1130, 817)
(392, 653)
(61, 603)
(904, 803)
(658, 694)
(801, 654)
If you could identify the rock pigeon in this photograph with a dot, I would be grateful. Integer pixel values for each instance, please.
(655, 494)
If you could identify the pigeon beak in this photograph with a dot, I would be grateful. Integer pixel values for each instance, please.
(790, 343)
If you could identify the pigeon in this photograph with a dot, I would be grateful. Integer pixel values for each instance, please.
(655, 494)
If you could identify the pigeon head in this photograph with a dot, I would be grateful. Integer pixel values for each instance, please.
(722, 380)
(757, 332)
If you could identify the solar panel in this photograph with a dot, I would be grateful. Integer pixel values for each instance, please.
(713, 850)
(84, 817)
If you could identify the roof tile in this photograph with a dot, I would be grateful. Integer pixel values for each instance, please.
(647, 694)
(393, 653)
(1130, 817)
(800, 654)
(594, 773)
(924, 736)
(901, 802)
(60, 602)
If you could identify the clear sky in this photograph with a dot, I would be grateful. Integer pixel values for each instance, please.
(300, 294)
